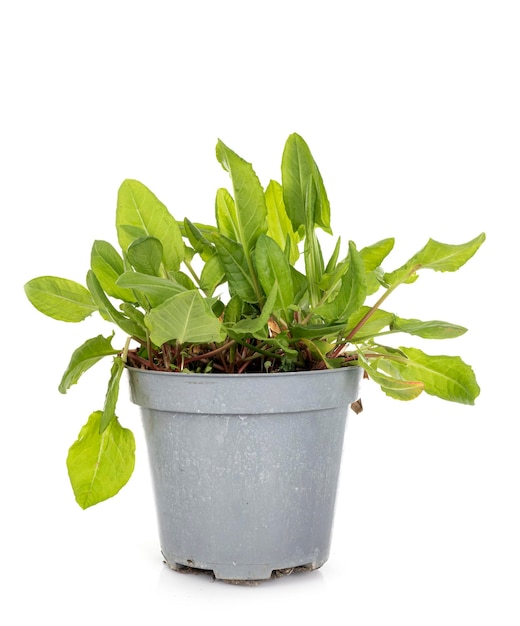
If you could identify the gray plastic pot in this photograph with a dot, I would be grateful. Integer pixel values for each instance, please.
(245, 466)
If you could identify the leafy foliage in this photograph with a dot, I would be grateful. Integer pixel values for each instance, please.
(252, 293)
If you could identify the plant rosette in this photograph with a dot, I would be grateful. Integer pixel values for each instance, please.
(251, 294)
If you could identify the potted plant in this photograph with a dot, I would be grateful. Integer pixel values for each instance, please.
(244, 348)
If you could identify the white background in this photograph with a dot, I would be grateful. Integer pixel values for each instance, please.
(412, 112)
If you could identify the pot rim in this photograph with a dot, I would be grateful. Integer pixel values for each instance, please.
(219, 376)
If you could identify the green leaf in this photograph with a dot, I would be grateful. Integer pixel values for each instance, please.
(186, 317)
(298, 170)
(433, 329)
(393, 387)
(60, 298)
(250, 218)
(376, 323)
(99, 465)
(333, 258)
(84, 357)
(437, 256)
(200, 244)
(145, 255)
(447, 377)
(104, 304)
(157, 289)
(141, 214)
(375, 254)
(183, 279)
(254, 325)
(233, 311)
(241, 280)
(279, 225)
(212, 275)
(109, 410)
(316, 331)
(226, 215)
(274, 273)
(107, 265)
(352, 291)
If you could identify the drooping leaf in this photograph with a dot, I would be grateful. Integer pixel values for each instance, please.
(141, 214)
(145, 254)
(107, 265)
(437, 256)
(84, 357)
(394, 387)
(447, 377)
(60, 298)
(298, 170)
(433, 329)
(274, 272)
(99, 465)
(109, 409)
(186, 317)
(251, 212)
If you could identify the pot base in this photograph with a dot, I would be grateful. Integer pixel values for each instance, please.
(228, 574)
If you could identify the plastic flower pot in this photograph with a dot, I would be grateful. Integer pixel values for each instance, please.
(245, 466)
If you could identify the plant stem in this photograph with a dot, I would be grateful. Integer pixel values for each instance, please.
(371, 312)
(212, 353)
(192, 271)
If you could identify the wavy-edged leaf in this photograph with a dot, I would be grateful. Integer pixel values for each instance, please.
(440, 257)
(84, 357)
(186, 317)
(60, 298)
(375, 254)
(140, 213)
(446, 377)
(99, 465)
(433, 329)
(394, 387)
